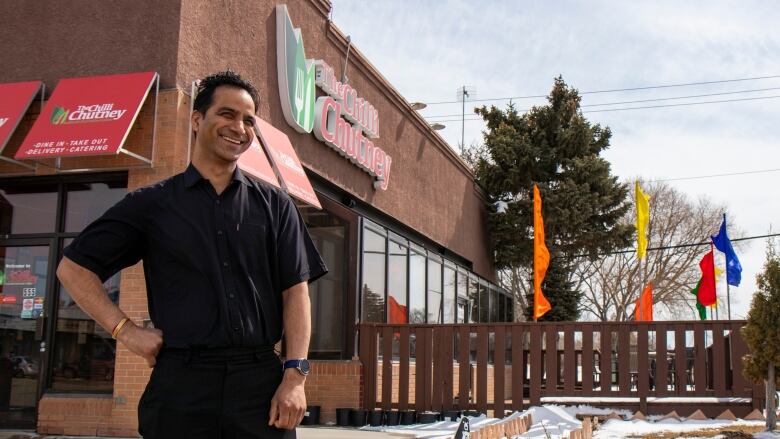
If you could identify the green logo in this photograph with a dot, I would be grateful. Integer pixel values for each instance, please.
(59, 116)
(296, 74)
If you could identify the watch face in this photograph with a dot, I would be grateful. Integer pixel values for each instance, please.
(304, 366)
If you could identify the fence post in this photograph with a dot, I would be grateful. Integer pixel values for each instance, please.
(368, 359)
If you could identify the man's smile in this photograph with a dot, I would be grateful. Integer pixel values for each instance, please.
(232, 140)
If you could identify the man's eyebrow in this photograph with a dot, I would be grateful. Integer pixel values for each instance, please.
(232, 110)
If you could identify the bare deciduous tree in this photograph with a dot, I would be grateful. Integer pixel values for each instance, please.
(611, 284)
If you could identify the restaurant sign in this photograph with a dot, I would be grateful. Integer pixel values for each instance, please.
(342, 119)
(15, 99)
(87, 116)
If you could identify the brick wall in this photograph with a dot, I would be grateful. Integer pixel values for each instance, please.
(332, 385)
(78, 416)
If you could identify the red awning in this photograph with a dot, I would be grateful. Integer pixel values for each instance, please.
(15, 99)
(254, 163)
(284, 159)
(88, 116)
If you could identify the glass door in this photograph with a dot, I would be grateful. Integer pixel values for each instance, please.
(23, 282)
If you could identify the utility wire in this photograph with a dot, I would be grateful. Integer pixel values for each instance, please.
(683, 104)
(671, 247)
(646, 100)
(651, 87)
(728, 174)
(643, 107)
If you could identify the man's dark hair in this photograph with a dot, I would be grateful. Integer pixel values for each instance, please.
(210, 83)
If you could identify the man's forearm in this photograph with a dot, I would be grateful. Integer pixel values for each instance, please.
(88, 292)
(297, 320)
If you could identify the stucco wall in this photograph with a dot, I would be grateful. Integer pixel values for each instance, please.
(50, 40)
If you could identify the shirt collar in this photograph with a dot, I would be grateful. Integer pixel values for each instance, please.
(192, 176)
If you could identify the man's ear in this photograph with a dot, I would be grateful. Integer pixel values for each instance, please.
(195, 118)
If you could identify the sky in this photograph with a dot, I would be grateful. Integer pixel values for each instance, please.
(428, 50)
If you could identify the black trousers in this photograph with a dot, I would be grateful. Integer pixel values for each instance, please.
(211, 394)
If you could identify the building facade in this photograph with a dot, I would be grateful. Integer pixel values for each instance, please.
(401, 224)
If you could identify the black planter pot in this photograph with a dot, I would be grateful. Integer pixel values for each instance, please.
(450, 415)
(408, 417)
(342, 417)
(375, 418)
(392, 417)
(357, 417)
(312, 416)
(428, 417)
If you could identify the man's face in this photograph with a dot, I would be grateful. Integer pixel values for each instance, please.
(226, 130)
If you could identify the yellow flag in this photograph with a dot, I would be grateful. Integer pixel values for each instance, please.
(541, 258)
(642, 219)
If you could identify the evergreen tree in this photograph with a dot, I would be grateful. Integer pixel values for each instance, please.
(555, 147)
(762, 335)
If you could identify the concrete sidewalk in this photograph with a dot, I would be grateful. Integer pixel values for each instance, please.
(303, 433)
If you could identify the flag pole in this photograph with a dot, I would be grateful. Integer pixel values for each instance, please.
(714, 274)
(728, 290)
(728, 293)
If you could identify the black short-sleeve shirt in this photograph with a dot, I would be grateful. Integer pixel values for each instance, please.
(215, 265)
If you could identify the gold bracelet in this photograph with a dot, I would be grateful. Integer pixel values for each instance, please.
(118, 327)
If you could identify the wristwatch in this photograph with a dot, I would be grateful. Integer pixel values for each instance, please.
(301, 365)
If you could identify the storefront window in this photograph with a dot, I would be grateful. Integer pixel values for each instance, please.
(28, 208)
(434, 289)
(495, 309)
(448, 312)
(373, 276)
(396, 283)
(463, 294)
(421, 287)
(416, 287)
(85, 202)
(327, 294)
(23, 275)
(502, 307)
(474, 298)
(484, 302)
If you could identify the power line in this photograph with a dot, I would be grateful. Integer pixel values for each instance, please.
(648, 100)
(682, 97)
(682, 104)
(672, 247)
(650, 87)
(728, 174)
(646, 107)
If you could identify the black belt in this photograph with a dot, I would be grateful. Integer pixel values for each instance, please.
(217, 353)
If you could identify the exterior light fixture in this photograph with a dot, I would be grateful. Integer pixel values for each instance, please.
(417, 106)
(437, 126)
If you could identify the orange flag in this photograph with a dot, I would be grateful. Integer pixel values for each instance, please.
(541, 258)
(644, 305)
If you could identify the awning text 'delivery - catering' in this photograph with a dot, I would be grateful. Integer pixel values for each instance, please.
(87, 116)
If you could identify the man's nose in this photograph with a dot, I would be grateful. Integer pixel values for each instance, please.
(238, 126)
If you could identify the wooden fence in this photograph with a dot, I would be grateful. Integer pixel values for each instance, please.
(507, 366)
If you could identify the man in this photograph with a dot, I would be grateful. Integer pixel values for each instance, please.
(226, 262)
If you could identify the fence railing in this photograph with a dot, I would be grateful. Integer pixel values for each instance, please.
(507, 366)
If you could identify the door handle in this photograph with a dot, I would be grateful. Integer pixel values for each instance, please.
(40, 325)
